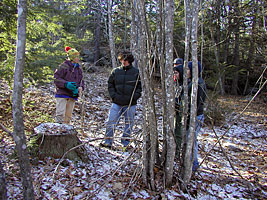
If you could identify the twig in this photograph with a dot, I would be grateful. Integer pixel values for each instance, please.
(6, 130)
(225, 154)
(206, 155)
(112, 175)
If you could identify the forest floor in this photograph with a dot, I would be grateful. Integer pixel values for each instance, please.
(235, 168)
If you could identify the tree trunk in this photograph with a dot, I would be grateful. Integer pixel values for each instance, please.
(125, 24)
(188, 160)
(217, 61)
(19, 135)
(169, 88)
(236, 61)
(150, 127)
(97, 38)
(134, 30)
(110, 32)
(160, 49)
(188, 25)
(251, 52)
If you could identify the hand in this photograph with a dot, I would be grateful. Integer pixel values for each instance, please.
(71, 85)
(76, 92)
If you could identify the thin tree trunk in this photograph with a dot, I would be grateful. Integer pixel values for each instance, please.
(19, 135)
(217, 61)
(236, 61)
(188, 24)
(171, 146)
(150, 127)
(217, 49)
(188, 160)
(134, 30)
(125, 24)
(110, 32)
(160, 45)
(97, 38)
(251, 52)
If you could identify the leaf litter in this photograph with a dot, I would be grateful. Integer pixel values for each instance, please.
(113, 174)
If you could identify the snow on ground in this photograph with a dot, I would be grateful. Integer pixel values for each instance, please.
(235, 170)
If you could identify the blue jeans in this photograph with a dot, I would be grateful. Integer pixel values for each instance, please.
(115, 113)
(199, 123)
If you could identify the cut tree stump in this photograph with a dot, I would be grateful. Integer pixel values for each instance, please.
(54, 140)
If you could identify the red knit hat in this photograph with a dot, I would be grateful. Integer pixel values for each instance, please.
(72, 53)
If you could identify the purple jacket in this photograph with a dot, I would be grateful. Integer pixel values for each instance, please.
(67, 73)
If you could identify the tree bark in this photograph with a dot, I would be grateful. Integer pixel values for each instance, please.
(251, 52)
(188, 25)
(97, 38)
(160, 49)
(188, 160)
(134, 30)
(58, 140)
(110, 32)
(150, 127)
(19, 135)
(236, 61)
(169, 88)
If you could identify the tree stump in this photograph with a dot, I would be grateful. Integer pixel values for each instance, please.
(54, 140)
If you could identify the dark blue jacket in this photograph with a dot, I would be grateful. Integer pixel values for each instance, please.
(124, 85)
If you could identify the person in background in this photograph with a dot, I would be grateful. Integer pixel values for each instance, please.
(201, 96)
(68, 79)
(178, 80)
(124, 87)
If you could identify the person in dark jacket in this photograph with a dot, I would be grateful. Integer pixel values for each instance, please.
(69, 84)
(178, 80)
(201, 96)
(124, 87)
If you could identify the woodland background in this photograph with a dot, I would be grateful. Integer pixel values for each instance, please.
(231, 45)
(232, 37)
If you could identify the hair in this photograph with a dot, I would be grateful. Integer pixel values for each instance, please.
(179, 69)
(126, 55)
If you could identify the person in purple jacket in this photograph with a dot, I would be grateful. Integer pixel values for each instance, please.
(69, 84)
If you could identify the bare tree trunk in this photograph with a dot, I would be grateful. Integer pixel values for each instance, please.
(251, 52)
(110, 31)
(125, 24)
(19, 135)
(217, 61)
(150, 127)
(134, 30)
(217, 49)
(236, 61)
(188, 160)
(188, 25)
(97, 38)
(216, 42)
(160, 46)
(171, 146)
